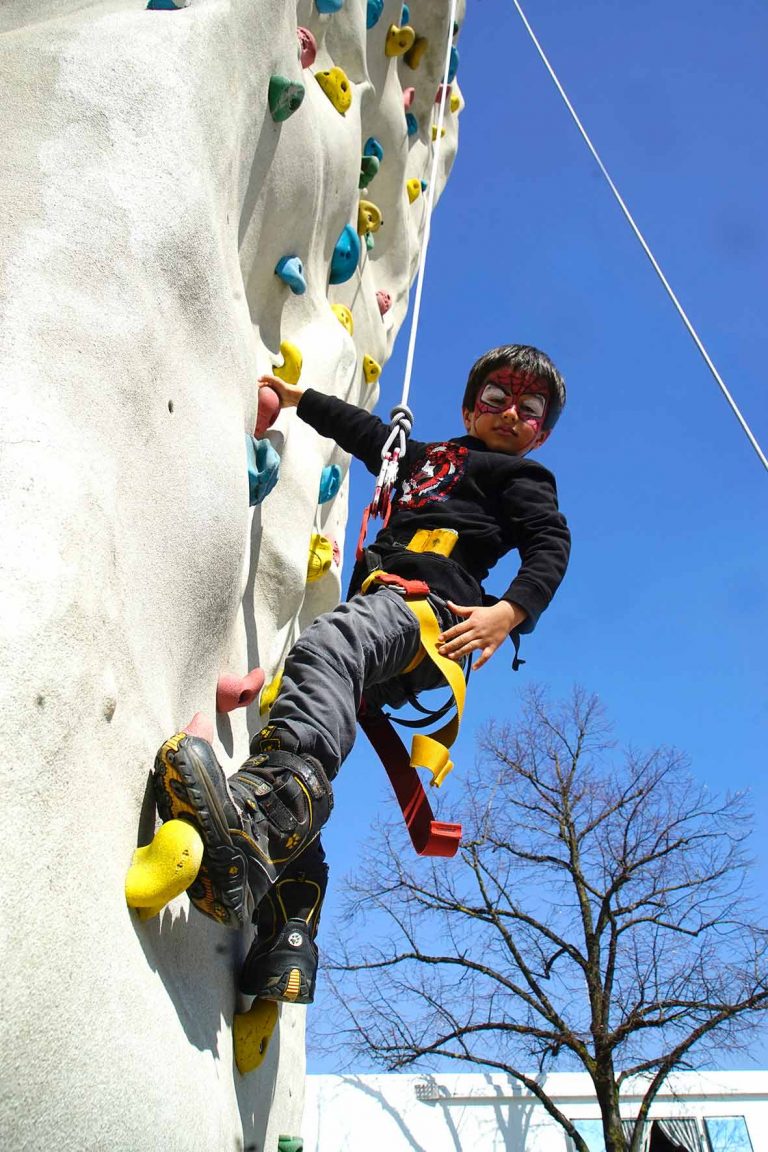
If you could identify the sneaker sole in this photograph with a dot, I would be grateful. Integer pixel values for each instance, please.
(184, 791)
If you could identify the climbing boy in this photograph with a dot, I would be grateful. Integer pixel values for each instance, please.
(260, 828)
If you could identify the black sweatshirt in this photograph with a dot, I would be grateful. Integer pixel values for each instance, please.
(495, 502)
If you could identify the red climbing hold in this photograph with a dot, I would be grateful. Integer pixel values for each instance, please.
(384, 300)
(269, 410)
(307, 47)
(408, 95)
(238, 691)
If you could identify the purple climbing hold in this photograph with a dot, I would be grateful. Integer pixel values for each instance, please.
(345, 255)
(291, 271)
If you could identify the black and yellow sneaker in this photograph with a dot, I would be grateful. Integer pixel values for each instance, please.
(252, 825)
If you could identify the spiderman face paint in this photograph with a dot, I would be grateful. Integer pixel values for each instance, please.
(505, 389)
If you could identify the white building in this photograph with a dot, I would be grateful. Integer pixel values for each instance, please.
(694, 1112)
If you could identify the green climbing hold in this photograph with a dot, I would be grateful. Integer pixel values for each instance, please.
(369, 241)
(290, 1144)
(369, 166)
(284, 97)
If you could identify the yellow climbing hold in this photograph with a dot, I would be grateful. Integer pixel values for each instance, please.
(369, 218)
(413, 188)
(320, 557)
(290, 369)
(399, 40)
(335, 83)
(269, 694)
(163, 869)
(252, 1032)
(343, 315)
(455, 102)
(434, 132)
(415, 53)
(371, 369)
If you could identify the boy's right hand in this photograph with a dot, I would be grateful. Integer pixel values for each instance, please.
(289, 394)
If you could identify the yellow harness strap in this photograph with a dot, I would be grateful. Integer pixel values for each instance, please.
(431, 752)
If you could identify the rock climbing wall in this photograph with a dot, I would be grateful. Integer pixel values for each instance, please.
(158, 165)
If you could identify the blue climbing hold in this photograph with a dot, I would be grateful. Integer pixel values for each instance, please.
(406, 16)
(330, 482)
(424, 185)
(325, 6)
(263, 469)
(163, 6)
(372, 147)
(453, 66)
(345, 255)
(373, 14)
(411, 123)
(291, 271)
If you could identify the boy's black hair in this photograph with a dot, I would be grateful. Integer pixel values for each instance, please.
(525, 359)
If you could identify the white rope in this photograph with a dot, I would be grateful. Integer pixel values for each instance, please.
(641, 238)
(430, 203)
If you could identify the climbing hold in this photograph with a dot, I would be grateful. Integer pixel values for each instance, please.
(336, 552)
(455, 102)
(399, 40)
(345, 255)
(337, 88)
(370, 243)
(408, 95)
(326, 6)
(411, 123)
(405, 15)
(269, 409)
(307, 47)
(384, 301)
(290, 369)
(291, 271)
(413, 188)
(320, 557)
(369, 166)
(330, 482)
(284, 96)
(263, 469)
(290, 1144)
(238, 691)
(165, 5)
(369, 218)
(372, 147)
(373, 13)
(371, 369)
(269, 695)
(453, 65)
(434, 132)
(343, 315)
(415, 53)
(424, 185)
(439, 95)
(163, 869)
(251, 1034)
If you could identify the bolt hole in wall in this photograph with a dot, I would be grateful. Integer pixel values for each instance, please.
(170, 405)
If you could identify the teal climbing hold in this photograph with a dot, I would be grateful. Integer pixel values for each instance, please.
(369, 241)
(406, 16)
(345, 255)
(263, 469)
(373, 12)
(369, 166)
(411, 123)
(424, 185)
(163, 6)
(453, 66)
(326, 6)
(372, 147)
(330, 482)
(284, 97)
(291, 271)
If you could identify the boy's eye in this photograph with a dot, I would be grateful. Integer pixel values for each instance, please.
(495, 396)
(532, 407)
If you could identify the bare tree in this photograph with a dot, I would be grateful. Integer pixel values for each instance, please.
(597, 917)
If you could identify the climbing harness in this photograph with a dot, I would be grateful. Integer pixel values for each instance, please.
(643, 243)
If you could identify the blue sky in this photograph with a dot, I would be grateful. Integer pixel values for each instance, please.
(664, 611)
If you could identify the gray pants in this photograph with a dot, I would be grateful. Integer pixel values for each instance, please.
(360, 648)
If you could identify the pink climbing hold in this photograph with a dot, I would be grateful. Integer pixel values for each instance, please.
(336, 552)
(307, 47)
(238, 691)
(408, 95)
(269, 410)
(385, 301)
(439, 96)
(200, 726)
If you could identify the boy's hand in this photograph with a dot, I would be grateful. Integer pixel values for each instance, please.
(289, 394)
(484, 629)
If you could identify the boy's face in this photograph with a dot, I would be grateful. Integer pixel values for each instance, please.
(509, 412)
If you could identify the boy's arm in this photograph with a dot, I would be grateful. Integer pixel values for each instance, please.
(356, 431)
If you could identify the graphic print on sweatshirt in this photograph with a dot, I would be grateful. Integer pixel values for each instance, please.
(436, 477)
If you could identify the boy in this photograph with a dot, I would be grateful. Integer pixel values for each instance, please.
(260, 828)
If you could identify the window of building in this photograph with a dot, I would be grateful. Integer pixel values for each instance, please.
(592, 1132)
(727, 1134)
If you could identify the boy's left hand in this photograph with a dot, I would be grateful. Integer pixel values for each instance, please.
(483, 629)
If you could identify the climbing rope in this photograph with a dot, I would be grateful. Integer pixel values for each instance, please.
(692, 331)
(401, 417)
